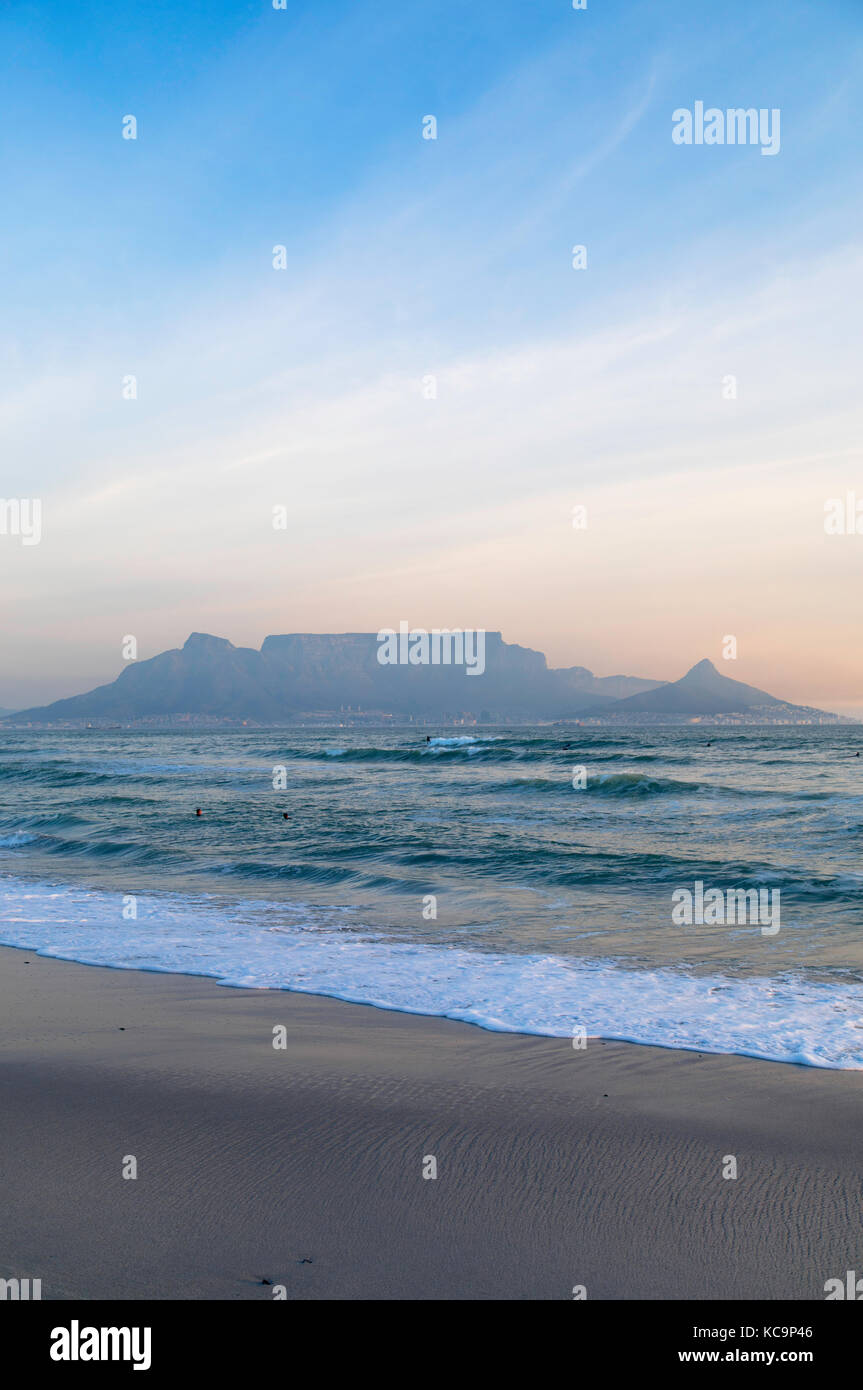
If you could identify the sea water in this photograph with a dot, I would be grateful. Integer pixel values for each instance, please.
(479, 876)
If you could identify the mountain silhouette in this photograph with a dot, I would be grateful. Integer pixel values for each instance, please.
(300, 673)
(316, 674)
(702, 691)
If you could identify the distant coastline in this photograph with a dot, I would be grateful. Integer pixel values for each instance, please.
(337, 680)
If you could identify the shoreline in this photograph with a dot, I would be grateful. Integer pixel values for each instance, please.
(304, 1166)
(780, 1017)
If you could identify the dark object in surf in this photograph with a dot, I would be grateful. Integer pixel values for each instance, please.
(198, 811)
(285, 815)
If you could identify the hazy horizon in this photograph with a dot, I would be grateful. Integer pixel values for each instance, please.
(724, 666)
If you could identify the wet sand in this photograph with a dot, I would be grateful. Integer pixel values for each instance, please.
(304, 1166)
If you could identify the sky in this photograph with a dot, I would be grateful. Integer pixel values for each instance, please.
(429, 386)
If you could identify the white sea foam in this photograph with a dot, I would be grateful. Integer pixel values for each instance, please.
(783, 1018)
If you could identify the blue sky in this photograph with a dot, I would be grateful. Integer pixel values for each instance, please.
(408, 257)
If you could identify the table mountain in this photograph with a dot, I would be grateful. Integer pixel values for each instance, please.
(299, 673)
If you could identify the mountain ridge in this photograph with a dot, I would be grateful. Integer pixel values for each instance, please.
(311, 674)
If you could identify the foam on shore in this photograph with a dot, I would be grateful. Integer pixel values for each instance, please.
(783, 1018)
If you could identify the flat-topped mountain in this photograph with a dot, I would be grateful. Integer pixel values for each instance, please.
(297, 675)
(310, 673)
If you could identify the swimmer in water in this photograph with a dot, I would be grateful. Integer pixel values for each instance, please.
(198, 811)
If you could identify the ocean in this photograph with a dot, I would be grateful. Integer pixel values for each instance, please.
(466, 877)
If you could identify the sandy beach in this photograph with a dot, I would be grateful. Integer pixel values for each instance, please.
(304, 1165)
